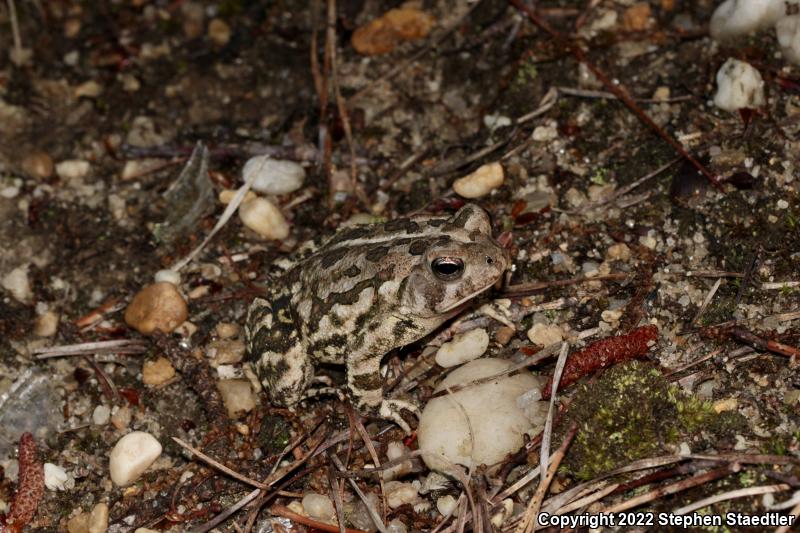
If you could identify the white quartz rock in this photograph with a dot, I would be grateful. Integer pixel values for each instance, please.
(479, 424)
(734, 18)
(399, 493)
(55, 477)
(318, 506)
(273, 176)
(739, 86)
(131, 456)
(464, 347)
(788, 31)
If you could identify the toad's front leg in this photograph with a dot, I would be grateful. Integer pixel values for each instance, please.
(365, 383)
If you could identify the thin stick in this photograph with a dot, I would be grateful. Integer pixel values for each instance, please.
(219, 466)
(280, 510)
(544, 451)
(337, 498)
(627, 188)
(682, 485)
(772, 285)
(706, 301)
(341, 105)
(730, 495)
(220, 518)
(12, 15)
(528, 522)
(521, 289)
(795, 512)
(123, 346)
(372, 513)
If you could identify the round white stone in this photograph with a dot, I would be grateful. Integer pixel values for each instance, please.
(101, 415)
(55, 477)
(479, 424)
(131, 456)
(739, 86)
(464, 347)
(263, 217)
(273, 176)
(318, 506)
(481, 182)
(16, 282)
(73, 169)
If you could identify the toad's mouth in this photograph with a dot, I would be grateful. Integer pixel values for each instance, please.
(465, 300)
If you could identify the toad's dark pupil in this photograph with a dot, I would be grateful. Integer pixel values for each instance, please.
(447, 267)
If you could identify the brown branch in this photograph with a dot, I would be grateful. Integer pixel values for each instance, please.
(280, 510)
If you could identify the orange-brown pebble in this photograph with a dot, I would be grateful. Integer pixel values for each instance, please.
(156, 307)
(637, 17)
(382, 35)
(38, 164)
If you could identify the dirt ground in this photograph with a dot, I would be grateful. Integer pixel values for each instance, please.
(101, 109)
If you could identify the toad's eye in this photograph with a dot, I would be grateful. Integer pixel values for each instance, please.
(447, 268)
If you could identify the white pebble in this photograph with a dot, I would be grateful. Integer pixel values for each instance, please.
(101, 415)
(545, 334)
(788, 31)
(399, 493)
(72, 169)
(16, 282)
(544, 133)
(734, 18)
(481, 182)
(318, 506)
(739, 86)
(464, 347)
(263, 217)
(446, 505)
(396, 526)
(783, 204)
(55, 477)
(170, 276)
(131, 456)
(273, 176)
(9, 192)
(479, 424)
(237, 395)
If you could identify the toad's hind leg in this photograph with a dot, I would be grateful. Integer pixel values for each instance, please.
(279, 357)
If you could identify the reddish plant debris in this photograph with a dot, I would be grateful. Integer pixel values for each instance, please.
(30, 487)
(604, 353)
(130, 394)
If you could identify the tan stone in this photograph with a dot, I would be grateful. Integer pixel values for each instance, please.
(156, 307)
(157, 372)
